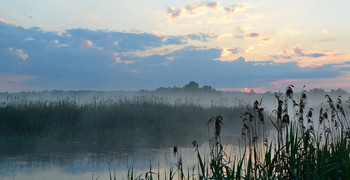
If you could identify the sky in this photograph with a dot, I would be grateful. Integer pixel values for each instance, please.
(131, 45)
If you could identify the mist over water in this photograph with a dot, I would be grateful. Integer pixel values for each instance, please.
(73, 157)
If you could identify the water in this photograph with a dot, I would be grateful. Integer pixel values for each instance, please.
(79, 166)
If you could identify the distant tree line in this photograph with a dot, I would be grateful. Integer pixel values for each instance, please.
(191, 87)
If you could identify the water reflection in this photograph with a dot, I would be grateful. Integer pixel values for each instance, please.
(76, 166)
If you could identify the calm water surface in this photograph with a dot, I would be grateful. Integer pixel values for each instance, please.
(81, 166)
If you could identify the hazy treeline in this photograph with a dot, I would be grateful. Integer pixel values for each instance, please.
(205, 96)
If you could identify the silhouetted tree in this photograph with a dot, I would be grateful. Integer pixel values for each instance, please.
(191, 86)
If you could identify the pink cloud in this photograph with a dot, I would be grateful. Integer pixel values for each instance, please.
(247, 90)
(16, 78)
(324, 83)
(171, 58)
(13, 82)
(281, 83)
(62, 33)
(299, 83)
(88, 43)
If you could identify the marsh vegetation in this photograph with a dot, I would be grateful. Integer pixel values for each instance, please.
(88, 121)
(287, 135)
(304, 147)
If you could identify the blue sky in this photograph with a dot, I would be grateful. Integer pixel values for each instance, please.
(131, 45)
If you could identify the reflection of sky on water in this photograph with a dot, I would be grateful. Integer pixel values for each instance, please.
(88, 165)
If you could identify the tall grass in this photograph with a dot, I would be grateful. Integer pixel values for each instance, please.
(299, 147)
(126, 122)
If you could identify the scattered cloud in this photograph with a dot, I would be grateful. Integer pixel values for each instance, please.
(62, 33)
(259, 36)
(88, 43)
(29, 39)
(197, 9)
(158, 33)
(174, 13)
(200, 37)
(116, 44)
(130, 59)
(298, 52)
(134, 71)
(234, 8)
(253, 35)
(285, 54)
(228, 54)
(226, 51)
(58, 44)
(170, 58)
(151, 51)
(312, 58)
(118, 60)
(19, 53)
(267, 39)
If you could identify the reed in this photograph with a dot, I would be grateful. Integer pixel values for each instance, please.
(141, 121)
(297, 151)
